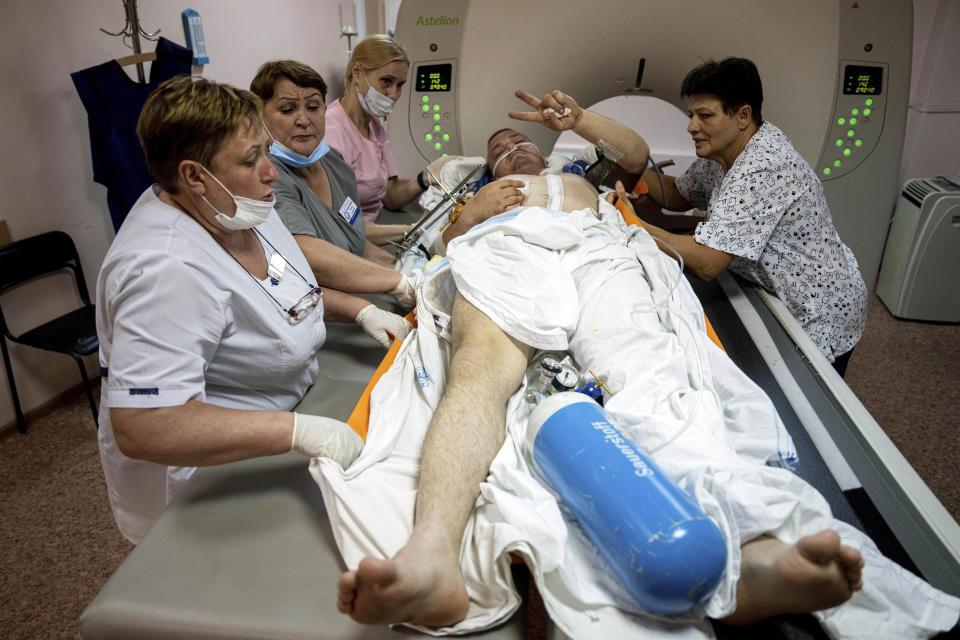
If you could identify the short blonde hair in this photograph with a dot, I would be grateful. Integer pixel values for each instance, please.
(191, 119)
(374, 52)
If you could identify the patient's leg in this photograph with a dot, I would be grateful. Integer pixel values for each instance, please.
(422, 584)
(816, 573)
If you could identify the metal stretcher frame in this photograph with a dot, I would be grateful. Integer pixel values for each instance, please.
(927, 532)
(247, 551)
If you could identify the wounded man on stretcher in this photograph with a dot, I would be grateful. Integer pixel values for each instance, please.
(445, 489)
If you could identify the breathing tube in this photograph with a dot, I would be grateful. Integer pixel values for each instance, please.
(493, 170)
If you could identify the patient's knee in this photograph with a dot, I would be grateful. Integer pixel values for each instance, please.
(482, 350)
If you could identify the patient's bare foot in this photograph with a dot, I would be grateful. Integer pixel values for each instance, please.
(421, 585)
(776, 578)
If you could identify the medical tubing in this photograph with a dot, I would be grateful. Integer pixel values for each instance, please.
(661, 305)
(656, 170)
(693, 337)
(496, 163)
(661, 547)
(635, 231)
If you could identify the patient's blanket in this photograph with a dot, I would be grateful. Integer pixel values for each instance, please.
(615, 302)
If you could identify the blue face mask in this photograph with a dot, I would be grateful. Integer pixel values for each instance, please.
(291, 158)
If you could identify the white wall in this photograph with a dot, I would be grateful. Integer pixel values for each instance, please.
(46, 171)
(932, 139)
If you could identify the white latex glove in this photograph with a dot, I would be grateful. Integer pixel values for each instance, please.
(378, 324)
(321, 437)
(404, 293)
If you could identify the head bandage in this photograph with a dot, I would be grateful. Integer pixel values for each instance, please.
(493, 171)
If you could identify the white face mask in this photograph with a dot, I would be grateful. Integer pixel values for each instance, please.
(375, 103)
(291, 158)
(249, 212)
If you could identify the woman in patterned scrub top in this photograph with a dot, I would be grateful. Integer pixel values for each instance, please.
(767, 219)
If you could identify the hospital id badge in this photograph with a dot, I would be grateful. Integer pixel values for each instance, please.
(349, 210)
(276, 267)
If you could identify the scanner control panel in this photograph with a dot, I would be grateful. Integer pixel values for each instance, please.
(857, 118)
(433, 121)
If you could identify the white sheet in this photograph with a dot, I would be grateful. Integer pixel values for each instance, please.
(560, 281)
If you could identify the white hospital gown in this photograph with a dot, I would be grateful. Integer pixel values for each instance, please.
(570, 282)
(770, 213)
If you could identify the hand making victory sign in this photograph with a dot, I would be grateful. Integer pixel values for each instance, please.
(556, 110)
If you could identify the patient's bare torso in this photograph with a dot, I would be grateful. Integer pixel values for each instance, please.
(578, 193)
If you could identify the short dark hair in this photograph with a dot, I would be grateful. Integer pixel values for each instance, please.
(496, 133)
(735, 81)
(300, 74)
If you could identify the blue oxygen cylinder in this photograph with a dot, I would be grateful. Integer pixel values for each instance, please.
(662, 548)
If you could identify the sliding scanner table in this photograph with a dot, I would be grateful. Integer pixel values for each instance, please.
(869, 485)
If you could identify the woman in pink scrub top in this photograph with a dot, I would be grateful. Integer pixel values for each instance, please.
(375, 75)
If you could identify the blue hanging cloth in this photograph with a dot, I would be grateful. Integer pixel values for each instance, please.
(113, 102)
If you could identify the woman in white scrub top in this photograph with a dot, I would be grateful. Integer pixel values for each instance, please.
(208, 315)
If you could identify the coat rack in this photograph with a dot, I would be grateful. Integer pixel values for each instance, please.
(133, 31)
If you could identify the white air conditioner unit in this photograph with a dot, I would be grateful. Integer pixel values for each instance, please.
(920, 272)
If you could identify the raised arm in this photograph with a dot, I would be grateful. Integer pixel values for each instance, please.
(560, 112)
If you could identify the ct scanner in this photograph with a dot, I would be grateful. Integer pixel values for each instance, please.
(246, 550)
(819, 60)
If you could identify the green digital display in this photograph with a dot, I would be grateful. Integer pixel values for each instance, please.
(862, 81)
(434, 77)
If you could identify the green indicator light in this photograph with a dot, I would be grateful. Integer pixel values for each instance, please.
(446, 137)
(836, 163)
(858, 143)
(426, 107)
(437, 145)
(853, 121)
(850, 133)
(866, 112)
(839, 142)
(846, 152)
(854, 111)
(443, 155)
(428, 137)
(436, 107)
(436, 116)
(426, 98)
(436, 127)
(841, 121)
(826, 171)
(868, 102)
